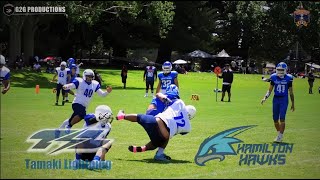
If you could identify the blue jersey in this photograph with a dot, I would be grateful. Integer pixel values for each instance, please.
(167, 79)
(281, 85)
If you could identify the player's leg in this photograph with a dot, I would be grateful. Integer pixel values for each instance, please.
(147, 88)
(310, 86)
(64, 95)
(152, 110)
(148, 147)
(224, 88)
(283, 111)
(79, 112)
(59, 88)
(151, 85)
(229, 93)
(276, 116)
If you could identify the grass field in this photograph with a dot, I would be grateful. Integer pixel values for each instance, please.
(23, 112)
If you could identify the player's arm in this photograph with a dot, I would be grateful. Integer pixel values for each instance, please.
(6, 84)
(158, 87)
(104, 93)
(268, 93)
(54, 77)
(176, 82)
(291, 96)
(144, 74)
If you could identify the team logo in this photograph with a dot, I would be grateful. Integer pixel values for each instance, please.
(83, 140)
(301, 16)
(220, 145)
(8, 9)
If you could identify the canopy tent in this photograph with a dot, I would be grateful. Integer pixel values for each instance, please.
(270, 65)
(223, 53)
(180, 61)
(312, 65)
(199, 54)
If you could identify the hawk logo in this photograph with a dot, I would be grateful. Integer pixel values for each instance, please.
(84, 140)
(219, 145)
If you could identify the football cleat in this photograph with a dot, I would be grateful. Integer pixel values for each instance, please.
(162, 157)
(278, 139)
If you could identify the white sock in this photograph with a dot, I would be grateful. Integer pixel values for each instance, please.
(67, 98)
(278, 133)
(160, 151)
(63, 125)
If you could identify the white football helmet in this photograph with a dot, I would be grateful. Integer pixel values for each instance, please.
(191, 111)
(103, 114)
(2, 60)
(63, 63)
(87, 72)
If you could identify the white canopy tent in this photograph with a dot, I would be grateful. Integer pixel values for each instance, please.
(223, 53)
(180, 61)
(311, 65)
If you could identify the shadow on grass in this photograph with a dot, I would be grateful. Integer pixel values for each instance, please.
(149, 160)
(29, 79)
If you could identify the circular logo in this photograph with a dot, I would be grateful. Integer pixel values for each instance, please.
(8, 9)
(217, 70)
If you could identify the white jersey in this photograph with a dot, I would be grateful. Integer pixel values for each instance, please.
(5, 74)
(97, 126)
(62, 75)
(176, 118)
(97, 132)
(84, 91)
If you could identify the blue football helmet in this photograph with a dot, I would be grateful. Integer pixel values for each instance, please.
(281, 69)
(73, 66)
(166, 67)
(172, 92)
(71, 61)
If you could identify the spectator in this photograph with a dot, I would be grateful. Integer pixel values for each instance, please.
(124, 76)
(37, 67)
(97, 77)
(311, 80)
(227, 76)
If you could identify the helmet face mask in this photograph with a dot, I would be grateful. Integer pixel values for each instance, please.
(191, 111)
(166, 67)
(281, 69)
(88, 75)
(63, 65)
(103, 114)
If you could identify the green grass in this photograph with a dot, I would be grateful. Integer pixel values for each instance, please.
(23, 112)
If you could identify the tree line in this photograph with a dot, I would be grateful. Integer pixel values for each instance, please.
(262, 30)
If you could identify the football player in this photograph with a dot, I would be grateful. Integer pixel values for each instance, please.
(150, 76)
(162, 127)
(5, 75)
(157, 105)
(73, 76)
(86, 87)
(95, 149)
(63, 74)
(167, 77)
(282, 83)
